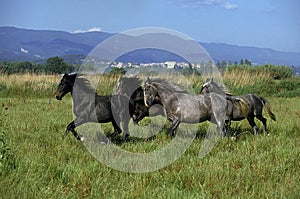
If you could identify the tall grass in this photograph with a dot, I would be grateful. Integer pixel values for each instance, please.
(28, 85)
(263, 80)
(239, 81)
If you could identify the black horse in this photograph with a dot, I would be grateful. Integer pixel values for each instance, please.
(240, 107)
(183, 107)
(88, 106)
(131, 87)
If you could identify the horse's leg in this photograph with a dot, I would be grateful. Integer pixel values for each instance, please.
(218, 119)
(264, 121)
(174, 126)
(71, 127)
(227, 125)
(221, 128)
(136, 118)
(252, 123)
(125, 129)
(117, 129)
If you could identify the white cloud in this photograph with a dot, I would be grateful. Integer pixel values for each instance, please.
(95, 29)
(199, 3)
(206, 3)
(23, 50)
(230, 6)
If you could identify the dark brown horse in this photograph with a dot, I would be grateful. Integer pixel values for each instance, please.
(131, 87)
(88, 106)
(241, 107)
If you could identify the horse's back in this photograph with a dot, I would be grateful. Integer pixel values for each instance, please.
(254, 102)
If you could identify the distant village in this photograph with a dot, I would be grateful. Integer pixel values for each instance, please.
(96, 65)
(168, 64)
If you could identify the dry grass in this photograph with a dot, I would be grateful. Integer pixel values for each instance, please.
(39, 81)
(242, 78)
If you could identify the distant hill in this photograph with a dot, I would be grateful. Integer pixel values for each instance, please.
(35, 45)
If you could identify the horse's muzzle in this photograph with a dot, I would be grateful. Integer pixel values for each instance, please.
(58, 97)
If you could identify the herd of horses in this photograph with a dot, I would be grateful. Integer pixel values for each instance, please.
(159, 97)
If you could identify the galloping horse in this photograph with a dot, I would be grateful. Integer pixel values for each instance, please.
(88, 106)
(131, 87)
(240, 107)
(183, 107)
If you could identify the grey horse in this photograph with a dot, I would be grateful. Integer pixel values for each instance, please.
(180, 106)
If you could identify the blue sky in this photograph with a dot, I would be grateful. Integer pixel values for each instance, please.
(261, 23)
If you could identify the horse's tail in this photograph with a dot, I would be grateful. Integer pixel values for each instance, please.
(268, 108)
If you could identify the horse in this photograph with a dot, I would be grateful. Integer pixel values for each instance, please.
(240, 107)
(88, 106)
(180, 106)
(131, 87)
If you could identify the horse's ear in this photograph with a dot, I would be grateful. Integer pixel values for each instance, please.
(148, 80)
(66, 75)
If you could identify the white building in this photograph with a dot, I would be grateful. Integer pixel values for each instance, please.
(170, 64)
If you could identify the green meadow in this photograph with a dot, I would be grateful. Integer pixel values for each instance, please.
(37, 161)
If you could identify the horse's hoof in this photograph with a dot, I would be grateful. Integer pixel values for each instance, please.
(80, 138)
(233, 138)
(125, 137)
(113, 135)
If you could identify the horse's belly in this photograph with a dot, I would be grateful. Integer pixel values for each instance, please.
(191, 117)
(103, 114)
(238, 118)
(194, 113)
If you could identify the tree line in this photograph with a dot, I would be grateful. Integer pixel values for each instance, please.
(53, 65)
(57, 65)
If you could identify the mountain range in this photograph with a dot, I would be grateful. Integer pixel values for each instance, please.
(18, 44)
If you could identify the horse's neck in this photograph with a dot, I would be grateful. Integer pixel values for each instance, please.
(81, 95)
(216, 89)
(162, 92)
(136, 94)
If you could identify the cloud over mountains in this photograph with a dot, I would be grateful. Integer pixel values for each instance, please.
(94, 29)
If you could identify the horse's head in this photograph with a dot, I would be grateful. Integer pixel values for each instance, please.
(150, 93)
(65, 86)
(206, 87)
(210, 86)
(140, 111)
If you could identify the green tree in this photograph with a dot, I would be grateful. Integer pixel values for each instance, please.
(242, 62)
(57, 65)
(224, 64)
(117, 71)
(247, 62)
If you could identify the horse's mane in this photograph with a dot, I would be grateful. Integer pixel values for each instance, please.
(84, 84)
(131, 82)
(220, 87)
(170, 85)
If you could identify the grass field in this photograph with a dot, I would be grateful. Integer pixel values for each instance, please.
(38, 162)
